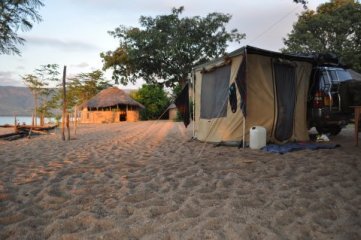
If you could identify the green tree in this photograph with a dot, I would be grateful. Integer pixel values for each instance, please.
(49, 75)
(154, 99)
(38, 83)
(36, 87)
(334, 28)
(166, 47)
(15, 15)
(303, 2)
(84, 86)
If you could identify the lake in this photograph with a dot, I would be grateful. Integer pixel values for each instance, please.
(21, 119)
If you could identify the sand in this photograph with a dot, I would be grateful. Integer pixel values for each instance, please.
(148, 180)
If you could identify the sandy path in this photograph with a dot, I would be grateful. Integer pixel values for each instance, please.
(147, 180)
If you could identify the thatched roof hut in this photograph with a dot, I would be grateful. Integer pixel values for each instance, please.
(110, 97)
(110, 105)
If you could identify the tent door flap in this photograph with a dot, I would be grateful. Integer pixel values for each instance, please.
(285, 83)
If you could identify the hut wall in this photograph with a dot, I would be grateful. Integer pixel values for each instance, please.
(133, 116)
(107, 116)
(173, 114)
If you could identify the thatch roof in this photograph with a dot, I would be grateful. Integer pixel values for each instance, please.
(172, 106)
(109, 97)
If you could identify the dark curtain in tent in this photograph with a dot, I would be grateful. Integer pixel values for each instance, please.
(285, 81)
(233, 97)
(182, 103)
(242, 85)
(214, 96)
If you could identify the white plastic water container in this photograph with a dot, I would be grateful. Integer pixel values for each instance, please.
(257, 137)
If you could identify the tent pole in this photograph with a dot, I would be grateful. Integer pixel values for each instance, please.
(244, 132)
(193, 103)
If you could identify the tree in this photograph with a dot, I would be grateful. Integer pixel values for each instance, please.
(154, 99)
(84, 86)
(165, 48)
(38, 83)
(303, 2)
(47, 74)
(334, 28)
(15, 15)
(36, 87)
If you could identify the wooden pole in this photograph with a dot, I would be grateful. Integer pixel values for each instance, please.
(67, 125)
(36, 109)
(75, 119)
(32, 120)
(64, 106)
(15, 124)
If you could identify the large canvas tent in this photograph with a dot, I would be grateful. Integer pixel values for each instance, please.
(251, 87)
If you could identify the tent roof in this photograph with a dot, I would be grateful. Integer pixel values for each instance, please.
(253, 50)
(111, 97)
(314, 58)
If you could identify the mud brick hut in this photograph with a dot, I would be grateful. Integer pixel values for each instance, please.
(110, 106)
(172, 112)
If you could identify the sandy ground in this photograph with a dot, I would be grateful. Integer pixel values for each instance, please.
(148, 180)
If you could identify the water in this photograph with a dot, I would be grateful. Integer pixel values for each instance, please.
(21, 120)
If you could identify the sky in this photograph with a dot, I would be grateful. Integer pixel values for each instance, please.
(75, 32)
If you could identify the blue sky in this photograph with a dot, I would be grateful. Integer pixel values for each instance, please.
(75, 32)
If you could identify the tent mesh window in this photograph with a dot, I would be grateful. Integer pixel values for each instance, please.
(214, 97)
(285, 81)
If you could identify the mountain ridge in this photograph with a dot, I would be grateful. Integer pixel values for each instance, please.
(15, 100)
(19, 101)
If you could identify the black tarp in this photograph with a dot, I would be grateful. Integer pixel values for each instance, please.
(242, 84)
(182, 103)
(233, 97)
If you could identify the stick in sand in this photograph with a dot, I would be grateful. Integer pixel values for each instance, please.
(64, 106)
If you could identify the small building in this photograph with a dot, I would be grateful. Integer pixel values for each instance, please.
(110, 106)
(172, 112)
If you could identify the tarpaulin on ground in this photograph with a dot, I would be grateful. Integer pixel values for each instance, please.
(290, 147)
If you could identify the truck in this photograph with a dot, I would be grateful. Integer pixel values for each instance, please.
(332, 93)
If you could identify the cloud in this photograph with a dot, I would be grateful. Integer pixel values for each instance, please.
(20, 68)
(64, 45)
(80, 65)
(134, 5)
(8, 78)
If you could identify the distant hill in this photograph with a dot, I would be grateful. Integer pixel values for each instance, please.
(15, 99)
(20, 101)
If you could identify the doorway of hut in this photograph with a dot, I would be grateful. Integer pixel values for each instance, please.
(122, 113)
(122, 117)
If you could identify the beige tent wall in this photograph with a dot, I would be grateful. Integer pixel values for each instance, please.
(261, 103)
(303, 73)
(227, 128)
(260, 94)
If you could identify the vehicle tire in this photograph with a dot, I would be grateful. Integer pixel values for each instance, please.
(333, 130)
